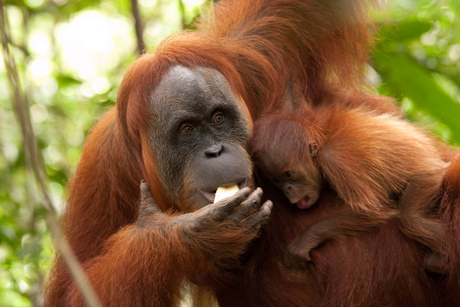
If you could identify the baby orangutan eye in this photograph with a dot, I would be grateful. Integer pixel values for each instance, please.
(276, 180)
(288, 174)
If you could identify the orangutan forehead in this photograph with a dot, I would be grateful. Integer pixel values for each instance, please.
(185, 88)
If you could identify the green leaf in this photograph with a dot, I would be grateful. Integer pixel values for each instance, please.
(404, 31)
(405, 77)
(64, 81)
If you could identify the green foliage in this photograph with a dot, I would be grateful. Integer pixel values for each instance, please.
(71, 56)
(417, 59)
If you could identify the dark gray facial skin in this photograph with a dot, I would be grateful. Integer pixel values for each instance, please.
(198, 136)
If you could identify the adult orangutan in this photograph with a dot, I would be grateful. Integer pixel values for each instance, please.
(183, 116)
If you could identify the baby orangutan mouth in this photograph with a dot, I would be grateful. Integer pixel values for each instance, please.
(305, 202)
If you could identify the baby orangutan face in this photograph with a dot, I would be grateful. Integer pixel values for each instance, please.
(300, 181)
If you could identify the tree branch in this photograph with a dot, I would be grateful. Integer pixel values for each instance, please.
(22, 113)
(138, 27)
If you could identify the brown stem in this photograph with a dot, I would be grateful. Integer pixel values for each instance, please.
(22, 113)
(138, 27)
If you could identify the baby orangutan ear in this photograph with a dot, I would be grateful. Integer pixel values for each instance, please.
(313, 149)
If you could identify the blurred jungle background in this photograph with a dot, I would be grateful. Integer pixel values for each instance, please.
(70, 57)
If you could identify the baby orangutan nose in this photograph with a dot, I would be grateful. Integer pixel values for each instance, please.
(287, 187)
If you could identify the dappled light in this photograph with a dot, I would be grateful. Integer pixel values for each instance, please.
(71, 56)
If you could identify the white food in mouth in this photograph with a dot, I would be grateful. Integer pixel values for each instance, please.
(224, 192)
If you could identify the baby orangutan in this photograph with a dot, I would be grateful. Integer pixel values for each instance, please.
(381, 166)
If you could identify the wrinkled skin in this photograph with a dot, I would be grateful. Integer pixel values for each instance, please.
(202, 141)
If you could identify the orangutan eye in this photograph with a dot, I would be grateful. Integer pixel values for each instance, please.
(288, 174)
(218, 118)
(276, 180)
(186, 129)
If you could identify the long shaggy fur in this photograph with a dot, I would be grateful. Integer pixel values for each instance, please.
(259, 46)
(381, 166)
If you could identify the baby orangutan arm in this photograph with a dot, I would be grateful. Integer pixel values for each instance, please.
(345, 222)
(416, 203)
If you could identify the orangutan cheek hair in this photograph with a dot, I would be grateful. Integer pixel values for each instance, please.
(182, 122)
(380, 165)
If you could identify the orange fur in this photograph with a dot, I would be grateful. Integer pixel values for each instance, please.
(450, 207)
(259, 46)
(381, 166)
